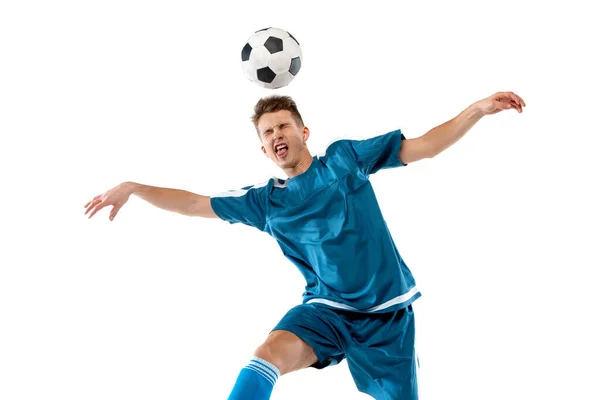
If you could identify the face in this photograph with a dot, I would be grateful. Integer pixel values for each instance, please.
(283, 141)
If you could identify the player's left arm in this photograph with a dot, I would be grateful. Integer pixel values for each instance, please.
(445, 135)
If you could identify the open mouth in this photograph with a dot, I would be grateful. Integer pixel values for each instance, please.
(281, 150)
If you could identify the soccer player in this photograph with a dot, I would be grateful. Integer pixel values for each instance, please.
(357, 304)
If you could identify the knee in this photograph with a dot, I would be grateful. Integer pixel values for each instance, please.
(286, 352)
(271, 353)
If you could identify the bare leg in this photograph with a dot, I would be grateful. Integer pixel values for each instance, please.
(286, 351)
(281, 353)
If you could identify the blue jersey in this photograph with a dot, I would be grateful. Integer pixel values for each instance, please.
(328, 223)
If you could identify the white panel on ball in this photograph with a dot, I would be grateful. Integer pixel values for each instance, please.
(259, 57)
(258, 39)
(281, 80)
(250, 71)
(280, 62)
(291, 47)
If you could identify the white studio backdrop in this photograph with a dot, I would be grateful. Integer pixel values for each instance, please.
(500, 230)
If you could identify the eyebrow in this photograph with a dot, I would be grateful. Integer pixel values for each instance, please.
(271, 128)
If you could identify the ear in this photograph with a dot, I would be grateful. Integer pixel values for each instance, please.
(305, 134)
(264, 150)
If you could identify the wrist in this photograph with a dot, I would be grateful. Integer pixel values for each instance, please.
(475, 111)
(133, 187)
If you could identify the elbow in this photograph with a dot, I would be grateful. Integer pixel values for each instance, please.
(433, 153)
(429, 149)
(201, 207)
(413, 150)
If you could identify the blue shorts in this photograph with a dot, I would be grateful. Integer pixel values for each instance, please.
(379, 347)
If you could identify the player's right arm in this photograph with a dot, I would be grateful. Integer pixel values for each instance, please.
(174, 200)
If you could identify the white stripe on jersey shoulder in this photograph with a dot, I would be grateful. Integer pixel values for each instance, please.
(340, 138)
(242, 192)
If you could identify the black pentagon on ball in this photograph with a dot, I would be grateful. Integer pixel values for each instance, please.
(295, 65)
(246, 52)
(263, 29)
(265, 75)
(274, 44)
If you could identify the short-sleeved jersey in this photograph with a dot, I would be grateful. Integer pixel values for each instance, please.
(328, 223)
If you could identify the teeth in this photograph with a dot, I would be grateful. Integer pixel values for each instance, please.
(280, 147)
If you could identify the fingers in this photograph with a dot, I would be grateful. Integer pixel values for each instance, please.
(115, 210)
(101, 201)
(519, 100)
(95, 207)
(516, 101)
(91, 204)
(512, 104)
(516, 105)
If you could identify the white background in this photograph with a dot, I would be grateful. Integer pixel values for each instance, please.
(500, 230)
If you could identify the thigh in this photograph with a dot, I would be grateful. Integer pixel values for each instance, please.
(320, 328)
(382, 358)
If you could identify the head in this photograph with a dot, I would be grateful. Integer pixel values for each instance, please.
(282, 133)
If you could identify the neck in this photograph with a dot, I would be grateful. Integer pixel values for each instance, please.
(301, 167)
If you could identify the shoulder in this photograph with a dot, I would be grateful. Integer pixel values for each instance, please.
(350, 146)
(338, 148)
(251, 189)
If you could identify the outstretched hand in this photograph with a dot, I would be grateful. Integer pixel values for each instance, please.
(499, 102)
(116, 197)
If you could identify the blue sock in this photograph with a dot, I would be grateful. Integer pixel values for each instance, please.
(255, 381)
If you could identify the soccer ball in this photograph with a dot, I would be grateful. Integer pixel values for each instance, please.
(271, 58)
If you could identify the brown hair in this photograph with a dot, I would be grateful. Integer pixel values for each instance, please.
(276, 103)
